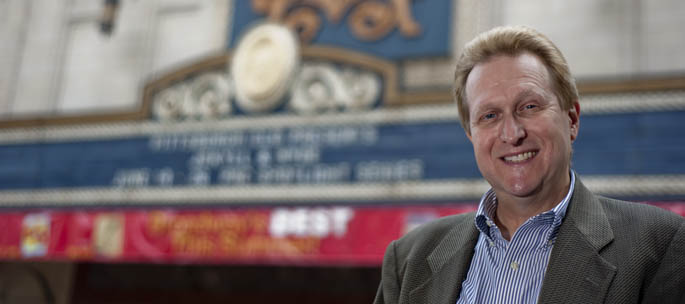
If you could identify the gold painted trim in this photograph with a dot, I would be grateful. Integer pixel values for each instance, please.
(632, 85)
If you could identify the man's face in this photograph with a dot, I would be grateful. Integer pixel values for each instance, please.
(521, 137)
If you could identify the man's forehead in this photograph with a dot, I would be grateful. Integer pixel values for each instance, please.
(498, 70)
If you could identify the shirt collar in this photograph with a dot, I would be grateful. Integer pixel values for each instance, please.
(488, 205)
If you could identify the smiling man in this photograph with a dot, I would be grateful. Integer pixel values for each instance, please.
(539, 235)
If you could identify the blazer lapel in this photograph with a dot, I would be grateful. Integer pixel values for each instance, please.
(577, 273)
(449, 263)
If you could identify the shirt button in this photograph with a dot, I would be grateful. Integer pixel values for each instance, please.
(489, 223)
(492, 244)
(550, 242)
(514, 265)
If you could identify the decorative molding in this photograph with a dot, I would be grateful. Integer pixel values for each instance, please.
(124, 129)
(635, 101)
(445, 190)
(663, 83)
(231, 195)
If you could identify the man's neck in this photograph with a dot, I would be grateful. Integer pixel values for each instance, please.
(513, 211)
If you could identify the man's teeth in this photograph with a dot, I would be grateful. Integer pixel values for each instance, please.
(520, 157)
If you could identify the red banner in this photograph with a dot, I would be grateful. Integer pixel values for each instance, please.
(299, 235)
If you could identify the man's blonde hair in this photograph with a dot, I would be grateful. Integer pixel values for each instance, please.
(512, 41)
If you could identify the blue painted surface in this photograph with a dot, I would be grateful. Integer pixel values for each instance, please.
(617, 144)
(94, 163)
(433, 16)
(637, 143)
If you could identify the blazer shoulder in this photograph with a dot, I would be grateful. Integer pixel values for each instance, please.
(438, 227)
(640, 218)
(427, 236)
(640, 212)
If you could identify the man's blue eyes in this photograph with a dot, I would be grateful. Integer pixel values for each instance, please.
(490, 116)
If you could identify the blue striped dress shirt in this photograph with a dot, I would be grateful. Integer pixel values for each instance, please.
(511, 271)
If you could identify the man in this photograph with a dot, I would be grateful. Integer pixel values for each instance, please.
(539, 234)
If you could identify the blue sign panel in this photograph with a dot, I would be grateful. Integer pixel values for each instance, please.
(295, 155)
(617, 144)
(392, 29)
(635, 143)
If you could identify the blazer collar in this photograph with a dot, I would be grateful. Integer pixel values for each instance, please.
(589, 217)
(449, 263)
(576, 271)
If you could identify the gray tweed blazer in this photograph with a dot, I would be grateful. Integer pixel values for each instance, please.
(607, 251)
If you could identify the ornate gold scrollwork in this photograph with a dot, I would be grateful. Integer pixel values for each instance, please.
(334, 9)
(372, 20)
(369, 20)
(405, 21)
(273, 9)
(305, 22)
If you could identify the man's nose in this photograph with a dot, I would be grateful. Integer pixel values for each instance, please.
(512, 131)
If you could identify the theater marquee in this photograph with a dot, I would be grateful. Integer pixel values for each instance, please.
(304, 118)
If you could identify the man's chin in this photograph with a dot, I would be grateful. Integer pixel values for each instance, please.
(518, 190)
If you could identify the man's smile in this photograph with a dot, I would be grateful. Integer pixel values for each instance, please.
(519, 157)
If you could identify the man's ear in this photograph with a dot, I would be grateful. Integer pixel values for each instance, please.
(574, 119)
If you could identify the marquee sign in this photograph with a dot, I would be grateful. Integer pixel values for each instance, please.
(307, 106)
(305, 119)
(376, 157)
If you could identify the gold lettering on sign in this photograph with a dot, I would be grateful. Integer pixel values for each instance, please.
(305, 22)
(372, 20)
(334, 9)
(274, 9)
(405, 21)
(369, 20)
